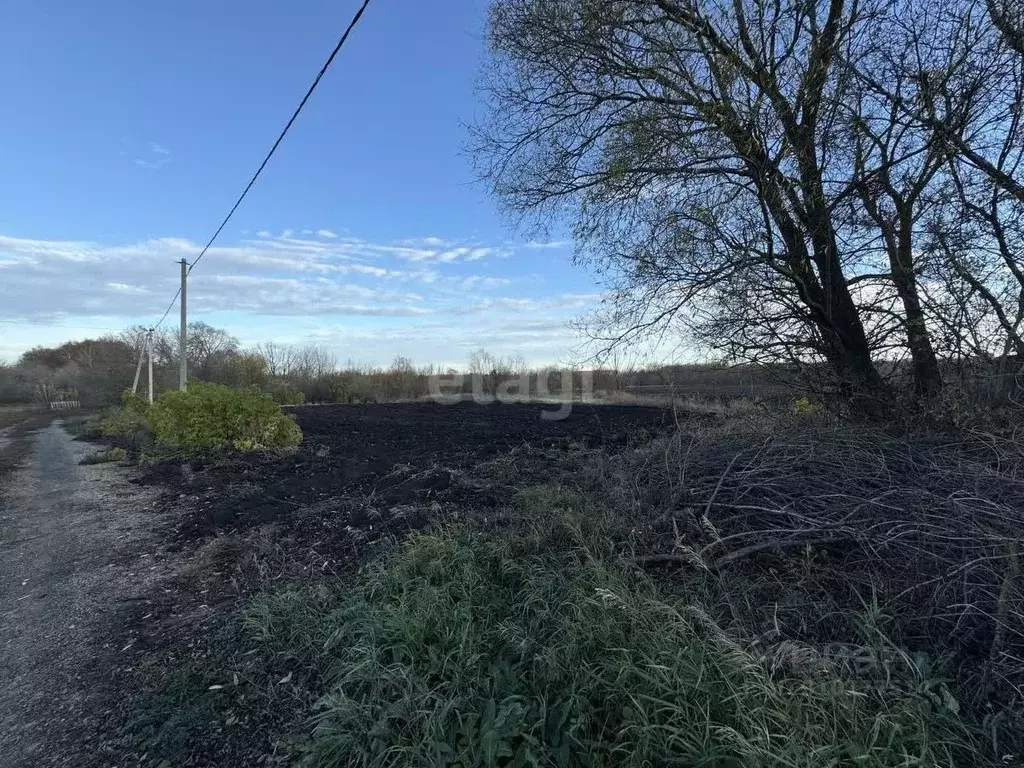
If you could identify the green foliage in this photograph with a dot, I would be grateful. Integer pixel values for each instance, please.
(120, 422)
(210, 416)
(802, 406)
(134, 403)
(128, 420)
(103, 457)
(540, 650)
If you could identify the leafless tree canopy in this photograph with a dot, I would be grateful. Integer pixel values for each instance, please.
(787, 179)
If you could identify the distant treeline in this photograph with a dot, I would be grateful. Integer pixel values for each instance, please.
(96, 371)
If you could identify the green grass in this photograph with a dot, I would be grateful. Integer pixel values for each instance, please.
(539, 647)
(104, 457)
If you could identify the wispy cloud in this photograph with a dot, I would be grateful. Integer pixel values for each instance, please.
(157, 157)
(134, 290)
(284, 274)
(287, 284)
(541, 244)
(326, 233)
(427, 242)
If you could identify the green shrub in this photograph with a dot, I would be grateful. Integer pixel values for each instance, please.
(121, 423)
(134, 403)
(210, 416)
(127, 420)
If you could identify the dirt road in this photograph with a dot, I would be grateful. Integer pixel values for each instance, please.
(73, 550)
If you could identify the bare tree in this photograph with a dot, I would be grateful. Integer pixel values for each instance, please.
(893, 166)
(280, 358)
(313, 361)
(809, 180)
(694, 142)
(955, 84)
(205, 345)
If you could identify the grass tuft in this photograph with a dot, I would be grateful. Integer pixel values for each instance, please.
(104, 457)
(542, 649)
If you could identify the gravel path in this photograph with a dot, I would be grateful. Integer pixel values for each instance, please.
(73, 550)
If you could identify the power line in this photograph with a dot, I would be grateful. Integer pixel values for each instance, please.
(273, 149)
(281, 137)
(60, 325)
(169, 307)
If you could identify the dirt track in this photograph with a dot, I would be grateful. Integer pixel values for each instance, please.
(72, 550)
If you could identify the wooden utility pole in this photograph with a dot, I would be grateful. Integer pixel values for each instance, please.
(183, 341)
(149, 347)
(138, 369)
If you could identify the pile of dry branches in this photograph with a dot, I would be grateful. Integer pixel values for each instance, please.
(822, 538)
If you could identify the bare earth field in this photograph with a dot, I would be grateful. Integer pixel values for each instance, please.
(393, 453)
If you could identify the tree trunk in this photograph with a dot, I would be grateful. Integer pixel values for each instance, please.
(927, 376)
(831, 308)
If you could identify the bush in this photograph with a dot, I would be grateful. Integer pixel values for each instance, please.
(127, 420)
(121, 423)
(134, 403)
(210, 416)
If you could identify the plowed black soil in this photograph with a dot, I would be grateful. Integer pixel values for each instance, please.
(387, 454)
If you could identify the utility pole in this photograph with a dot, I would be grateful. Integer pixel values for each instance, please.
(138, 369)
(183, 341)
(149, 347)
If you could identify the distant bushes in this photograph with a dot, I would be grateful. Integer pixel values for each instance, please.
(348, 388)
(209, 416)
(283, 393)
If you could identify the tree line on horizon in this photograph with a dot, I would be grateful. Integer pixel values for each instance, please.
(96, 372)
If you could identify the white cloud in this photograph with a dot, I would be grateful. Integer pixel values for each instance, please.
(540, 244)
(326, 233)
(134, 290)
(376, 299)
(156, 157)
(427, 242)
(481, 281)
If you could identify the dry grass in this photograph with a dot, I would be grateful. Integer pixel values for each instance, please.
(828, 543)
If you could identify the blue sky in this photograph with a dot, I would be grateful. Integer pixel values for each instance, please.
(132, 127)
